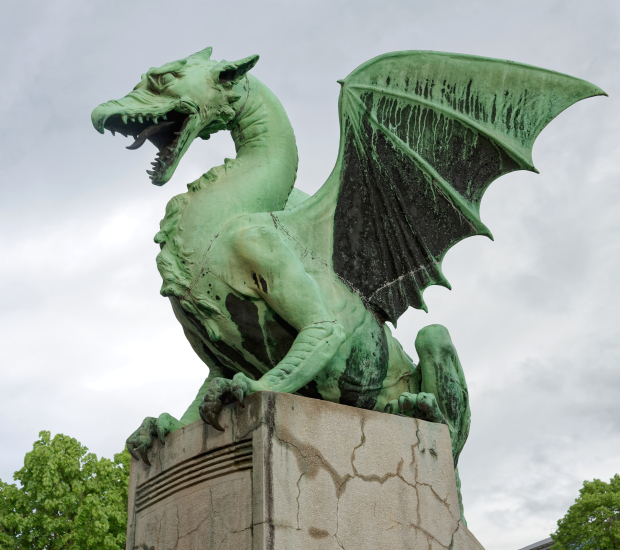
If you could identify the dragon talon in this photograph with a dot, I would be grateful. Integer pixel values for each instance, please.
(214, 422)
(203, 415)
(132, 451)
(239, 396)
(161, 434)
(144, 454)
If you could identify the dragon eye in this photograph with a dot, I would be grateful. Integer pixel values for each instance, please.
(166, 79)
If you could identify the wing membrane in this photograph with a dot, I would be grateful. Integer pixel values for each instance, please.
(423, 134)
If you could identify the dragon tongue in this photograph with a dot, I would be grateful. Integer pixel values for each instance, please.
(148, 132)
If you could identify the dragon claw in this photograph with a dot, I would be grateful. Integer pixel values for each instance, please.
(222, 392)
(238, 393)
(142, 450)
(161, 433)
(132, 451)
(417, 405)
(151, 429)
(212, 419)
(203, 415)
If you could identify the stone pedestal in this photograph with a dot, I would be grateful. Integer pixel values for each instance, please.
(291, 473)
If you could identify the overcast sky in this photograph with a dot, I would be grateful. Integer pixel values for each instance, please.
(89, 348)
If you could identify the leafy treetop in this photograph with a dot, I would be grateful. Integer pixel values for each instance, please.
(66, 498)
(593, 522)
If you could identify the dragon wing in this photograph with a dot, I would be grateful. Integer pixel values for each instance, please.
(422, 135)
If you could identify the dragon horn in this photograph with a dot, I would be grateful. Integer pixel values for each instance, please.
(203, 55)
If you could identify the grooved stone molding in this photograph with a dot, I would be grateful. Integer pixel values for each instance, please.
(290, 473)
(540, 545)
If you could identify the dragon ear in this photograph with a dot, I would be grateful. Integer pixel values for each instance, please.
(232, 72)
(202, 55)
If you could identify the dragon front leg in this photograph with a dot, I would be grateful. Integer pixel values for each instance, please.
(284, 284)
(313, 348)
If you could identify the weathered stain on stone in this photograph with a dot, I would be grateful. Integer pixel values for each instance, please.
(270, 413)
(317, 533)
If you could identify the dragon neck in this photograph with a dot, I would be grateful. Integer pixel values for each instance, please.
(262, 176)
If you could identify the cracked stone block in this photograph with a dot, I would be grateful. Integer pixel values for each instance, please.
(318, 504)
(295, 473)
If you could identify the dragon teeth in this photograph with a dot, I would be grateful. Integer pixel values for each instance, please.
(124, 119)
(140, 119)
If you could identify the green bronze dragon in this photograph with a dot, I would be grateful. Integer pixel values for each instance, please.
(283, 292)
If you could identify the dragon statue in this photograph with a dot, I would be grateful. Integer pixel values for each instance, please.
(279, 291)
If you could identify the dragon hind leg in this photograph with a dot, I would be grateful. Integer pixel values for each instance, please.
(443, 397)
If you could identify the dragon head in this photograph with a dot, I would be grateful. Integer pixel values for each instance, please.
(173, 105)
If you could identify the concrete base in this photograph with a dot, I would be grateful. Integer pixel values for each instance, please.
(291, 473)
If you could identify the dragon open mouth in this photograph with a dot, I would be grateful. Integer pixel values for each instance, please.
(166, 132)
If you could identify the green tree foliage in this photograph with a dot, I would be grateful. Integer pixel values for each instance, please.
(593, 522)
(66, 498)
